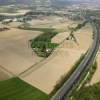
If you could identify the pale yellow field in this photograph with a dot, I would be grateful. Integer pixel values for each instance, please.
(19, 12)
(51, 22)
(14, 24)
(15, 52)
(84, 37)
(39, 22)
(60, 37)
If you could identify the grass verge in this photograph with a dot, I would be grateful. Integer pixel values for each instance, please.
(88, 93)
(84, 79)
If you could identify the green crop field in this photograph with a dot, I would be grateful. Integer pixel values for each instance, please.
(16, 89)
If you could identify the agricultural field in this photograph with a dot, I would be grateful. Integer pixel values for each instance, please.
(18, 57)
(12, 11)
(16, 89)
(7, 10)
(42, 43)
(16, 54)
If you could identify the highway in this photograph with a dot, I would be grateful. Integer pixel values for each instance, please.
(89, 57)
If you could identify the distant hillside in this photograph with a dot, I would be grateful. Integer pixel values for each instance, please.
(8, 2)
(55, 2)
(60, 2)
(2, 2)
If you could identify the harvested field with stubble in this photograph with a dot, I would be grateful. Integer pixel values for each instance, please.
(15, 52)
